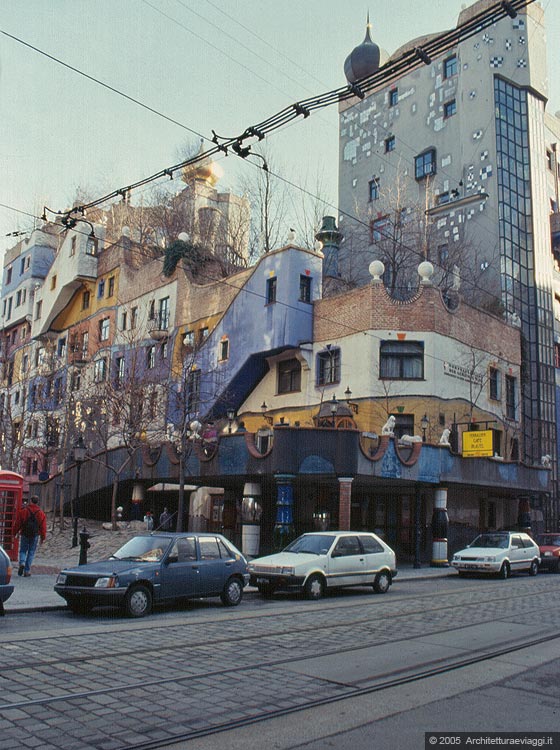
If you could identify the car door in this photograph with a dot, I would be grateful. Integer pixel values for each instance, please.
(180, 570)
(213, 569)
(518, 553)
(375, 556)
(346, 563)
(531, 550)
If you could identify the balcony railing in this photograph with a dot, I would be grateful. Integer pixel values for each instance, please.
(159, 326)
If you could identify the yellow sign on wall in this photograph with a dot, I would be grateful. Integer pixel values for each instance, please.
(478, 443)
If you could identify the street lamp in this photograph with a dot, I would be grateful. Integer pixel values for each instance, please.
(79, 452)
(230, 418)
(424, 424)
(264, 409)
(334, 409)
(348, 396)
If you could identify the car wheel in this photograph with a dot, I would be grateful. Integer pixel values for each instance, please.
(504, 571)
(138, 601)
(232, 593)
(534, 568)
(382, 582)
(79, 606)
(266, 590)
(314, 587)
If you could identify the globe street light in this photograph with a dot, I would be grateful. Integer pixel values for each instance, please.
(79, 452)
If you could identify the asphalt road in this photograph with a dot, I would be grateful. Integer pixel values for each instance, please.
(103, 681)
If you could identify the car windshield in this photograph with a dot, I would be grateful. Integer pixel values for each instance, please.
(313, 544)
(143, 549)
(491, 540)
(548, 540)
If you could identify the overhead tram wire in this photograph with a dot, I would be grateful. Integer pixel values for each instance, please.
(211, 44)
(240, 43)
(288, 114)
(101, 83)
(409, 61)
(265, 42)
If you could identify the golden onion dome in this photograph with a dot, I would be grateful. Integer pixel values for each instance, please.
(205, 170)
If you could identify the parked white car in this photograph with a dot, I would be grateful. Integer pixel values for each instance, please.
(499, 552)
(328, 559)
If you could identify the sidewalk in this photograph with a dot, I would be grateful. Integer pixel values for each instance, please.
(36, 593)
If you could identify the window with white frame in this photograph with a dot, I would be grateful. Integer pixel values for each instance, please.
(104, 326)
(328, 367)
(100, 370)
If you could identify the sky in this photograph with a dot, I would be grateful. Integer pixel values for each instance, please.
(218, 65)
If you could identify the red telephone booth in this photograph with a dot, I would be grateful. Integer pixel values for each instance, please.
(11, 493)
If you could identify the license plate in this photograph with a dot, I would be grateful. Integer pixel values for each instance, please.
(262, 580)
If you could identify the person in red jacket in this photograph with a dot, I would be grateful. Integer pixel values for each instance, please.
(31, 525)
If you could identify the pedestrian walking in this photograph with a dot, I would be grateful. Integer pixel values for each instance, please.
(166, 520)
(149, 521)
(31, 525)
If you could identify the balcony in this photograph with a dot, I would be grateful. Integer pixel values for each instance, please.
(78, 356)
(159, 326)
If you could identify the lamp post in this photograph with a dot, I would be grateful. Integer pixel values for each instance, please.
(424, 424)
(334, 409)
(230, 418)
(79, 452)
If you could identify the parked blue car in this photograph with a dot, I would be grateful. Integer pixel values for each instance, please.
(6, 587)
(156, 568)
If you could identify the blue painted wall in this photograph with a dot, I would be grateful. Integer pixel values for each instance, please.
(256, 329)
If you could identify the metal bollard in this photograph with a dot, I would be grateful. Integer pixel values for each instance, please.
(84, 546)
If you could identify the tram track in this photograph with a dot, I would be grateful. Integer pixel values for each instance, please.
(172, 690)
(313, 627)
(388, 681)
(387, 684)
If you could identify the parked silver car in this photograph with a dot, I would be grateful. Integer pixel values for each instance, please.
(499, 552)
(315, 562)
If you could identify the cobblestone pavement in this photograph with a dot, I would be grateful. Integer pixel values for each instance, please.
(132, 682)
